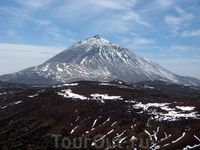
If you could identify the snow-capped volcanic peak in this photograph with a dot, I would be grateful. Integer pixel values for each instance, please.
(96, 59)
(99, 59)
(96, 40)
(89, 44)
(95, 47)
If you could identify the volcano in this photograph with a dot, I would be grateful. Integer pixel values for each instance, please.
(96, 59)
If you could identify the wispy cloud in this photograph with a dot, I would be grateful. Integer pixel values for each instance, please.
(141, 41)
(117, 4)
(159, 5)
(184, 15)
(39, 22)
(190, 33)
(171, 20)
(21, 15)
(24, 18)
(163, 3)
(11, 33)
(34, 4)
(105, 15)
(136, 41)
(55, 31)
(134, 16)
(109, 15)
(134, 34)
(180, 48)
(123, 39)
(176, 22)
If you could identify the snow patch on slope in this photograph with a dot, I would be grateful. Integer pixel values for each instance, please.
(11, 104)
(105, 96)
(169, 114)
(69, 94)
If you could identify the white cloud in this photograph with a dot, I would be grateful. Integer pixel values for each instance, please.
(137, 43)
(134, 16)
(109, 4)
(176, 23)
(134, 34)
(184, 15)
(124, 39)
(55, 31)
(21, 18)
(191, 33)
(109, 15)
(158, 6)
(115, 4)
(34, 4)
(42, 22)
(102, 16)
(24, 19)
(11, 33)
(123, 22)
(171, 20)
(180, 48)
(163, 3)
(141, 41)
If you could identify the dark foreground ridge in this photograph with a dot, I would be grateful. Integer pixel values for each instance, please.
(98, 115)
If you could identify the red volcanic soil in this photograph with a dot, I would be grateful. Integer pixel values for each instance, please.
(135, 119)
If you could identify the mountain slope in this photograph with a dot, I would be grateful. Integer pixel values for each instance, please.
(114, 115)
(96, 59)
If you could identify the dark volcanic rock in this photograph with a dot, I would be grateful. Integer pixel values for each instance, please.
(120, 113)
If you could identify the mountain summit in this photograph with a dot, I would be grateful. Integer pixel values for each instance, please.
(96, 59)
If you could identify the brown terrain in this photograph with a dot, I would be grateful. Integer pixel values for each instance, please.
(100, 115)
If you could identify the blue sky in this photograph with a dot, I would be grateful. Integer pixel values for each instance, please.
(164, 31)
